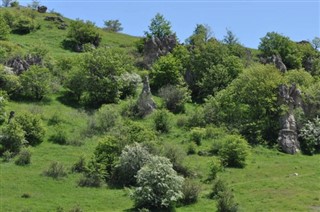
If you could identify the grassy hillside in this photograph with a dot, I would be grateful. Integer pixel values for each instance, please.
(52, 38)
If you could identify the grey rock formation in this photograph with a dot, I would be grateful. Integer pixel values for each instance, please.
(54, 18)
(145, 103)
(155, 47)
(42, 9)
(288, 137)
(19, 64)
(277, 61)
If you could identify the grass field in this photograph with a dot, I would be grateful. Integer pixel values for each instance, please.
(267, 183)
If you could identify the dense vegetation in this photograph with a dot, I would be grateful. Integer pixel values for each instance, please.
(83, 136)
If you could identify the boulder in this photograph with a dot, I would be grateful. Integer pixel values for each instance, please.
(42, 9)
(145, 103)
(19, 64)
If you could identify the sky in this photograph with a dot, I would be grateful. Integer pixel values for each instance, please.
(249, 20)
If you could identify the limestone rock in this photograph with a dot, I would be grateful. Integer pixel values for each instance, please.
(19, 64)
(156, 47)
(145, 103)
(288, 136)
(277, 61)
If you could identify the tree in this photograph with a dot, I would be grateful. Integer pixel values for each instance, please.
(81, 33)
(4, 29)
(249, 103)
(113, 25)
(310, 135)
(159, 27)
(3, 103)
(316, 43)
(36, 82)
(166, 71)
(12, 138)
(201, 34)
(276, 44)
(159, 186)
(230, 38)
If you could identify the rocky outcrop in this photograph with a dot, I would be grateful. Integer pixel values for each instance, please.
(42, 9)
(145, 103)
(156, 47)
(54, 18)
(19, 64)
(275, 60)
(288, 136)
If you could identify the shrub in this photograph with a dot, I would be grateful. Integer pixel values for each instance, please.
(81, 33)
(226, 202)
(174, 97)
(190, 192)
(60, 136)
(33, 128)
(12, 138)
(161, 121)
(131, 160)
(6, 156)
(55, 170)
(310, 137)
(159, 186)
(216, 167)
(24, 158)
(36, 82)
(24, 25)
(90, 179)
(191, 149)
(196, 118)
(105, 119)
(234, 151)
(218, 186)
(196, 135)
(105, 155)
(176, 155)
(129, 84)
(4, 29)
(80, 165)
(55, 119)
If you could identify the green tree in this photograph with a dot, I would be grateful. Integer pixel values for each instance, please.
(249, 103)
(166, 71)
(24, 25)
(159, 186)
(3, 103)
(310, 137)
(36, 82)
(113, 25)
(201, 34)
(159, 27)
(6, 3)
(81, 33)
(276, 44)
(4, 29)
(316, 43)
(230, 38)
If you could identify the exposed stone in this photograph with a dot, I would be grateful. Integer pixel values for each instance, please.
(19, 65)
(42, 9)
(277, 61)
(63, 26)
(288, 136)
(145, 103)
(156, 47)
(54, 18)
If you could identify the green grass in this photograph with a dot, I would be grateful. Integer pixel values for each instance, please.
(267, 182)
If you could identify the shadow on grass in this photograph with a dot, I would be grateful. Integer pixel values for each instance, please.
(68, 99)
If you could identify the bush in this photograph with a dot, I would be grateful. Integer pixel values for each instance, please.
(24, 158)
(24, 25)
(234, 151)
(56, 170)
(218, 187)
(190, 192)
(131, 160)
(33, 128)
(196, 135)
(105, 155)
(12, 138)
(4, 29)
(90, 179)
(60, 136)
(174, 97)
(159, 186)
(161, 121)
(216, 167)
(226, 202)
(196, 118)
(36, 82)
(191, 149)
(176, 155)
(80, 165)
(6, 156)
(55, 119)
(81, 33)
(310, 137)
(129, 84)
